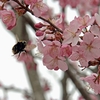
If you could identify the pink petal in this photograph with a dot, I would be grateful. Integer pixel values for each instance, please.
(62, 65)
(97, 17)
(88, 37)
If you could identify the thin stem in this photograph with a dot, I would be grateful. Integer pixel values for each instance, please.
(77, 83)
(27, 9)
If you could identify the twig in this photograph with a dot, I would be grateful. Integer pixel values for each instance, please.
(27, 9)
(64, 84)
(77, 83)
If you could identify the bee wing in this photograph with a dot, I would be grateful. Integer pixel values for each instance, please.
(17, 38)
(29, 47)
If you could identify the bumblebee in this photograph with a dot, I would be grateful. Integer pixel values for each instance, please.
(19, 47)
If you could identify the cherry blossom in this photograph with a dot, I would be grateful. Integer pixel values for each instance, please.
(56, 39)
(95, 30)
(90, 46)
(53, 63)
(38, 7)
(25, 57)
(91, 80)
(97, 18)
(72, 3)
(52, 56)
(8, 17)
(71, 34)
(63, 3)
(77, 55)
(89, 6)
(85, 21)
(28, 2)
(66, 50)
(46, 85)
(52, 48)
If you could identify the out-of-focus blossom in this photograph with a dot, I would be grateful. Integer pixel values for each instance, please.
(8, 18)
(28, 60)
(89, 6)
(28, 2)
(25, 57)
(93, 84)
(46, 86)
(72, 3)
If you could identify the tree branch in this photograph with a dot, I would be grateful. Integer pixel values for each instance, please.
(77, 82)
(20, 31)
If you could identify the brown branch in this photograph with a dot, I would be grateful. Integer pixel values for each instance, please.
(29, 21)
(48, 21)
(64, 84)
(77, 82)
(20, 31)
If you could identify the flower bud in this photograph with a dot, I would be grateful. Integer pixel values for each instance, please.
(38, 25)
(39, 33)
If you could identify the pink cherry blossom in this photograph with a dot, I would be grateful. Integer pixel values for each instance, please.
(63, 3)
(95, 30)
(52, 48)
(77, 55)
(53, 63)
(90, 46)
(97, 18)
(66, 50)
(52, 57)
(71, 33)
(8, 17)
(91, 80)
(28, 2)
(28, 60)
(85, 21)
(25, 57)
(72, 3)
(38, 8)
(89, 6)
(59, 21)
(46, 85)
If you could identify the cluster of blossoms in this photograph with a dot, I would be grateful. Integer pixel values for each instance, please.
(82, 6)
(8, 16)
(79, 41)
